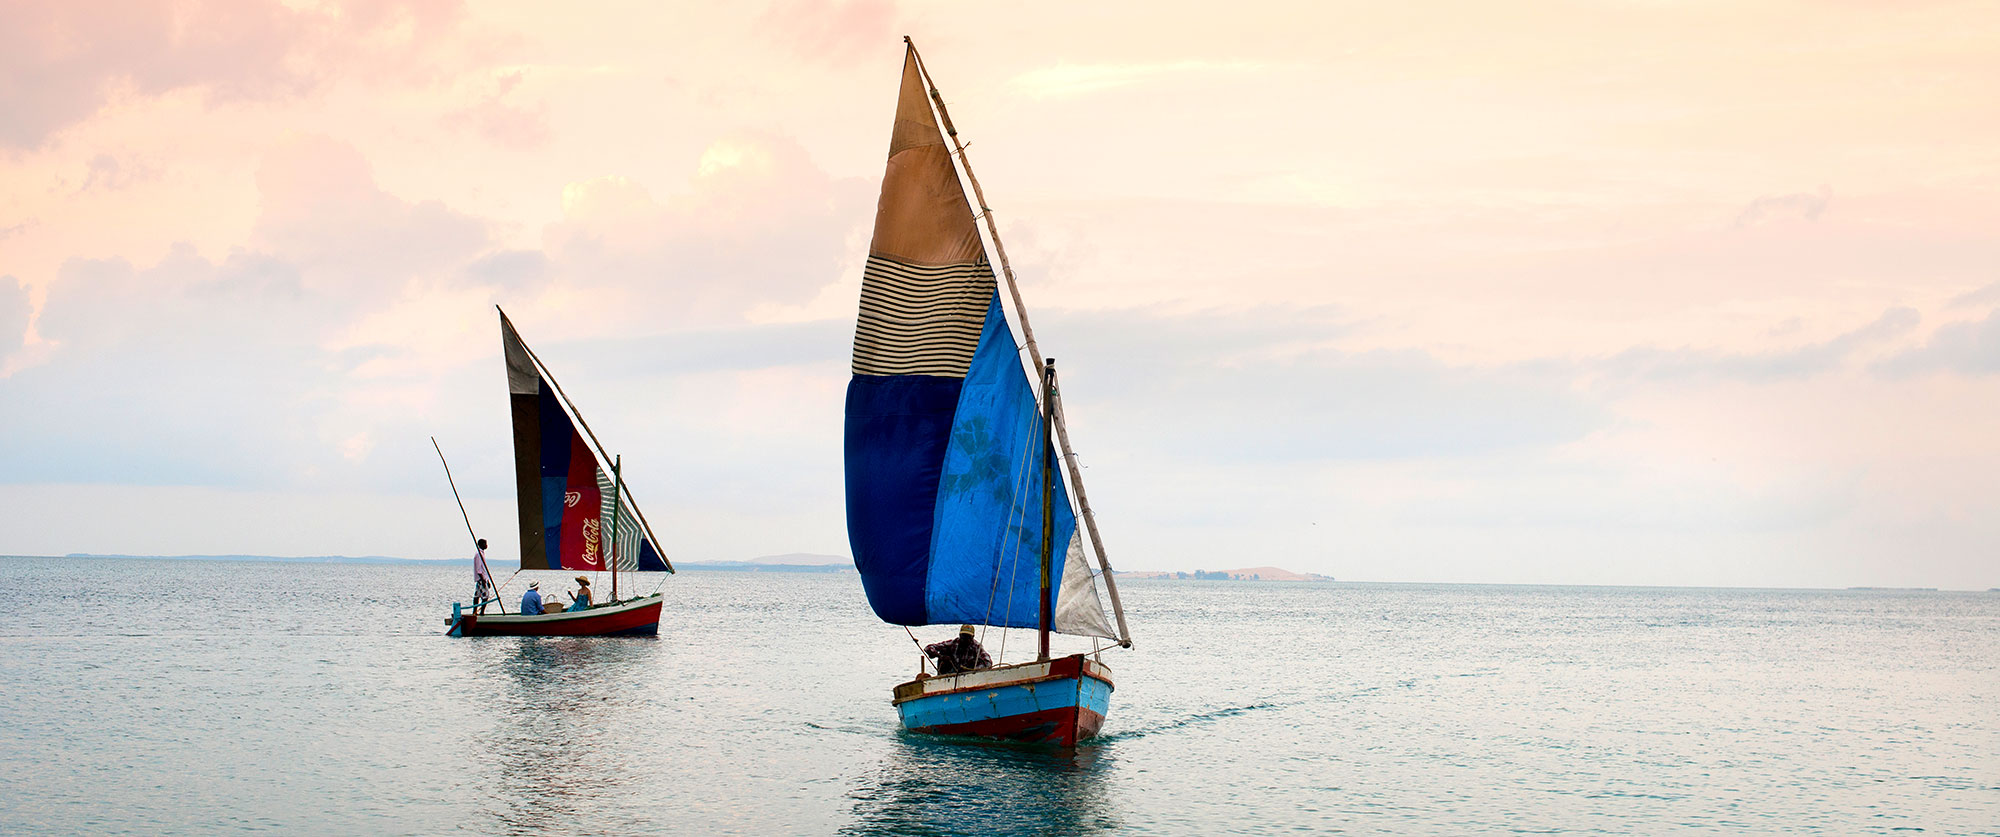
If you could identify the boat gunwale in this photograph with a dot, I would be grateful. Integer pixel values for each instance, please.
(567, 615)
(1084, 669)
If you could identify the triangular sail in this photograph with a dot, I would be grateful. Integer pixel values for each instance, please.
(942, 428)
(562, 491)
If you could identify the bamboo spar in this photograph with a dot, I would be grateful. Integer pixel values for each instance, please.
(544, 369)
(1028, 334)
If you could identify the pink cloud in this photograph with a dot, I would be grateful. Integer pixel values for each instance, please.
(62, 62)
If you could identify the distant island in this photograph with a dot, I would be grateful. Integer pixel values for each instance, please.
(1249, 574)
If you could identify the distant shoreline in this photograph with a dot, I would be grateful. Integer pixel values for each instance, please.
(848, 568)
(276, 559)
(702, 566)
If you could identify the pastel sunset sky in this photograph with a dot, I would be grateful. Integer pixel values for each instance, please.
(1572, 292)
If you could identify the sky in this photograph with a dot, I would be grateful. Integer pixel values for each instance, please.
(1692, 293)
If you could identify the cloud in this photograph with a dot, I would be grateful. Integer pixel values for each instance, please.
(1268, 385)
(14, 312)
(509, 269)
(1985, 296)
(832, 32)
(1788, 364)
(322, 211)
(1967, 348)
(1807, 205)
(759, 224)
(106, 173)
(61, 62)
(514, 126)
(187, 371)
(1064, 80)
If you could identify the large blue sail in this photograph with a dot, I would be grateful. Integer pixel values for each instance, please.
(943, 434)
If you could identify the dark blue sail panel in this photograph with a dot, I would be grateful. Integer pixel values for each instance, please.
(943, 503)
(649, 558)
(986, 546)
(897, 428)
(556, 448)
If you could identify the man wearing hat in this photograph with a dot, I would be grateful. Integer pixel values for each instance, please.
(959, 654)
(531, 601)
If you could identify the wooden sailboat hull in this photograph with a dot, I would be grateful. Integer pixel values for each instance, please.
(1060, 702)
(637, 617)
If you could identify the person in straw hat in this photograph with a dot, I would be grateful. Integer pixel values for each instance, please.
(961, 653)
(581, 599)
(531, 601)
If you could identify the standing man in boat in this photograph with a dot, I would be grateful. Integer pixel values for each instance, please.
(483, 586)
(959, 654)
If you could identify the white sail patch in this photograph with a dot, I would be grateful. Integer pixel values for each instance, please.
(920, 320)
(1078, 610)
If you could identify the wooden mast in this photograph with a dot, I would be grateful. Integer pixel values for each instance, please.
(1048, 503)
(611, 545)
(544, 369)
(1034, 351)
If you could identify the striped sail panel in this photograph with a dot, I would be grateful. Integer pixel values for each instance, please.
(635, 552)
(920, 320)
(923, 308)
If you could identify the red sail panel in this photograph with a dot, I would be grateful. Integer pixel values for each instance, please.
(582, 530)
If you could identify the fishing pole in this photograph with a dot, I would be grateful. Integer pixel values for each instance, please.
(454, 492)
(468, 524)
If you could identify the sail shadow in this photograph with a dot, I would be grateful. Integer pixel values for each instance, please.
(942, 786)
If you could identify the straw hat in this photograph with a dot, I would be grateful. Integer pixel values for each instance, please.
(583, 581)
(534, 585)
(965, 630)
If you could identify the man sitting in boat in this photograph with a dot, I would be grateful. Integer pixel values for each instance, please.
(959, 654)
(531, 601)
(581, 600)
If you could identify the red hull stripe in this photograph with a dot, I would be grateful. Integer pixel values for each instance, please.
(1062, 727)
(639, 621)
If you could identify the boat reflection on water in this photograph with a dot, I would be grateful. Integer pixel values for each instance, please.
(551, 754)
(940, 785)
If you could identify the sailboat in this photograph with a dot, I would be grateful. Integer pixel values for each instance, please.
(956, 509)
(573, 515)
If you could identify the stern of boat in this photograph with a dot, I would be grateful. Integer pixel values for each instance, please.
(1060, 702)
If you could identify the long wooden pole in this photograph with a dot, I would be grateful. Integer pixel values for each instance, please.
(468, 528)
(1047, 451)
(544, 369)
(1034, 352)
(611, 546)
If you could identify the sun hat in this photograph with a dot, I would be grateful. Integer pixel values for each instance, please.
(583, 581)
(534, 585)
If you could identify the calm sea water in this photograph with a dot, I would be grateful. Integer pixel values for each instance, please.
(212, 697)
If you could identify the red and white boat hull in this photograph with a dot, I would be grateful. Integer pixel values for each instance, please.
(637, 617)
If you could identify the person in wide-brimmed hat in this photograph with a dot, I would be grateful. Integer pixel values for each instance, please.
(531, 601)
(581, 599)
(960, 653)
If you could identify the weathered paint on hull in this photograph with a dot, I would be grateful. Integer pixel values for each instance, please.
(637, 618)
(1060, 702)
